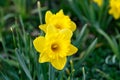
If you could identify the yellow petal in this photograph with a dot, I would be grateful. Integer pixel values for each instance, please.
(48, 16)
(43, 27)
(51, 30)
(116, 15)
(72, 50)
(39, 43)
(110, 11)
(73, 26)
(59, 63)
(66, 33)
(44, 58)
(60, 13)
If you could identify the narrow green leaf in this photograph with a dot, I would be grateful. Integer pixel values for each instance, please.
(91, 47)
(4, 77)
(80, 35)
(51, 72)
(75, 9)
(104, 74)
(111, 43)
(86, 53)
(22, 64)
(114, 41)
(10, 15)
(84, 75)
(0, 36)
(92, 14)
(10, 62)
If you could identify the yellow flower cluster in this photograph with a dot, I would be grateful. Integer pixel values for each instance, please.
(99, 2)
(58, 20)
(56, 45)
(115, 8)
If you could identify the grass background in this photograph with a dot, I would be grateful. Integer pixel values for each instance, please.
(97, 38)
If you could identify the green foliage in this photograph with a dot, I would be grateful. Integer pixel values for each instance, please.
(112, 42)
(88, 12)
(97, 37)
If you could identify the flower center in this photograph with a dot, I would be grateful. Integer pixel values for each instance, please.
(55, 47)
(58, 26)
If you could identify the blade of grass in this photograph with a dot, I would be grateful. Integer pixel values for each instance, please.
(39, 11)
(40, 14)
(84, 75)
(76, 43)
(111, 43)
(51, 72)
(104, 75)
(3, 44)
(75, 9)
(22, 64)
(5, 77)
(10, 62)
(86, 53)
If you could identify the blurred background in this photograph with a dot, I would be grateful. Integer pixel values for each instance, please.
(97, 37)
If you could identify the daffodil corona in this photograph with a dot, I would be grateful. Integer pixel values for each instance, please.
(55, 47)
(115, 8)
(58, 20)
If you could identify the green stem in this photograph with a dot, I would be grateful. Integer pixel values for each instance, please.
(40, 15)
(39, 11)
(84, 78)
(13, 37)
(51, 73)
(3, 44)
(72, 70)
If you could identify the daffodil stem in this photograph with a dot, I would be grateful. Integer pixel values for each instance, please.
(84, 77)
(40, 14)
(72, 69)
(51, 73)
(39, 11)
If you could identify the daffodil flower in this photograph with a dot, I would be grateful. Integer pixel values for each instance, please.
(58, 20)
(55, 47)
(115, 8)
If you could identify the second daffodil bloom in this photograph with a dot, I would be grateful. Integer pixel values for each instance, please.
(55, 47)
(99, 2)
(58, 20)
(115, 8)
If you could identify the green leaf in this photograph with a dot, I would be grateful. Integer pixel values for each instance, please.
(75, 9)
(110, 41)
(4, 77)
(86, 53)
(104, 74)
(22, 64)
(82, 32)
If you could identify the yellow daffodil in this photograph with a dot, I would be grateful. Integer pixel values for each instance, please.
(58, 20)
(115, 8)
(55, 47)
(99, 2)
